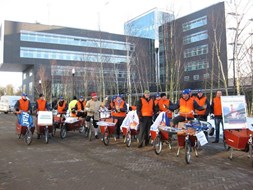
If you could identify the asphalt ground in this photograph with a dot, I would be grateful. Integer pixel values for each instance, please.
(77, 163)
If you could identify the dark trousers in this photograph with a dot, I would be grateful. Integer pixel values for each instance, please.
(217, 122)
(144, 129)
(118, 124)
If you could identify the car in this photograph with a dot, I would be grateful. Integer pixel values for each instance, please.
(7, 103)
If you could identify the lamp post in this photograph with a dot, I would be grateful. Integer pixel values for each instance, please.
(40, 89)
(73, 84)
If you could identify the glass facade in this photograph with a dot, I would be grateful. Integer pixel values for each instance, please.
(39, 53)
(195, 37)
(196, 51)
(194, 23)
(196, 65)
(41, 37)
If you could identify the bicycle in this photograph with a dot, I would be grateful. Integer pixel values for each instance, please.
(89, 128)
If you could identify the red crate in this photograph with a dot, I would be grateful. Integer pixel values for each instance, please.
(164, 135)
(124, 131)
(181, 140)
(237, 139)
(153, 134)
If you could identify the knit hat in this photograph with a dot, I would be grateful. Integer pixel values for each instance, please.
(93, 94)
(146, 92)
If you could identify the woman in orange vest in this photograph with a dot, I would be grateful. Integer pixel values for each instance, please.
(216, 110)
(202, 100)
(80, 107)
(145, 111)
(119, 109)
(62, 106)
(186, 106)
(164, 104)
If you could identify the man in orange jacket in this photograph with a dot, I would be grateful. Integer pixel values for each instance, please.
(23, 105)
(216, 110)
(164, 104)
(41, 105)
(145, 110)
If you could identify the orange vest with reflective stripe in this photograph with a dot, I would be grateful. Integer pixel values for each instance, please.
(61, 109)
(41, 105)
(147, 107)
(24, 105)
(201, 102)
(186, 107)
(217, 111)
(80, 104)
(119, 114)
(165, 102)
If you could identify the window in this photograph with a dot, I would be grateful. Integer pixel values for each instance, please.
(43, 37)
(195, 77)
(195, 51)
(206, 75)
(24, 75)
(195, 37)
(196, 65)
(194, 23)
(30, 73)
(186, 78)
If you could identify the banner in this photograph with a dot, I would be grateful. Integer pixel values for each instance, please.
(234, 112)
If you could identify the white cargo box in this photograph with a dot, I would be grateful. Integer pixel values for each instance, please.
(45, 118)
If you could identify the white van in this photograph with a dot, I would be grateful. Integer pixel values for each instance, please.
(7, 103)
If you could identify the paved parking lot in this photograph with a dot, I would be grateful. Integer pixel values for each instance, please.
(76, 163)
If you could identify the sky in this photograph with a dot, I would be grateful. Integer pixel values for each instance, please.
(109, 15)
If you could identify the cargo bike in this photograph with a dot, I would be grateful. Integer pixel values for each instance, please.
(72, 124)
(45, 124)
(130, 127)
(58, 120)
(237, 132)
(25, 127)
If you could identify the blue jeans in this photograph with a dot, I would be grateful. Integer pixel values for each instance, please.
(217, 122)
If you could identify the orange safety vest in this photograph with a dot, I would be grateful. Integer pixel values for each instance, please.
(80, 104)
(186, 107)
(60, 109)
(201, 102)
(156, 102)
(133, 108)
(147, 107)
(217, 111)
(120, 114)
(165, 102)
(23, 105)
(41, 105)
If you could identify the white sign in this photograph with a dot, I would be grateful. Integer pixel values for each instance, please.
(45, 118)
(201, 138)
(234, 112)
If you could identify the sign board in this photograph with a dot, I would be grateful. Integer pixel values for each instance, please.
(45, 118)
(234, 112)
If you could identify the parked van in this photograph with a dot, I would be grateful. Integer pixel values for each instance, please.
(7, 103)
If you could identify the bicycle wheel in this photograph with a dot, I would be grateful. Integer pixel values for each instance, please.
(128, 139)
(46, 136)
(63, 132)
(106, 138)
(81, 129)
(54, 130)
(187, 151)
(28, 137)
(157, 145)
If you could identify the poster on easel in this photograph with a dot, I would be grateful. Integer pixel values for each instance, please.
(234, 112)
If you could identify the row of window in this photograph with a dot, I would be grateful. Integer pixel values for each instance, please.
(73, 40)
(195, 37)
(196, 77)
(39, 53)
(196, 65)
(194, 23)
(195, 51)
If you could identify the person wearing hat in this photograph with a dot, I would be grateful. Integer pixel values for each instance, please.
(164, 104)
(145, 111)
(80, 107)
(72, 104)
(156, 102)
(61, 106)
(41, 105)
(92, 108)
(202, 100)
(23, 104)
(186, 106)
(119, 109)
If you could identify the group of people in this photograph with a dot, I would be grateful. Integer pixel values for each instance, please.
(147, 108)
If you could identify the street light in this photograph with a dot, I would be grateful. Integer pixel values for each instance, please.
(73, 75)
(40, 89)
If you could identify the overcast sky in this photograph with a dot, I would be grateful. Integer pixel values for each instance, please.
(110, 15)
